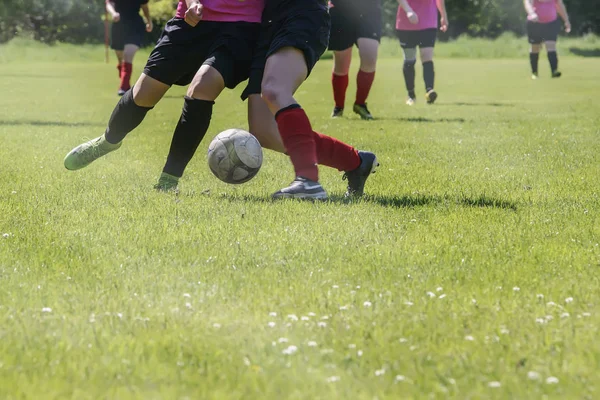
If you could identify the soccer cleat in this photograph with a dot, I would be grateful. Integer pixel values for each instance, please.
(302, 188)
(337, 112)
(556, 74)
(431, 96)
(534, 76)
(167, 183)
(88, 152)
(410, 101)
(363, 111)
(121, 92)
(357, 177)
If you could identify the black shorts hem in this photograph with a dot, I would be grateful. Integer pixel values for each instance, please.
(538, 32)
(421, 38)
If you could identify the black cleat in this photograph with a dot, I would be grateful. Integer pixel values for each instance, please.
(358, 177)
(556, 74)
(337, 112)
(363, 111)
(302, 188)
(121, 92)
(431, 96)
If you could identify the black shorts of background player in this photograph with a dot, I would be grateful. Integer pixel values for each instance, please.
(127, 34)
(354, 22)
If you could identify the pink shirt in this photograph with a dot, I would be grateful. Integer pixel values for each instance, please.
(227, 10)
(427, 12)
(546, 10)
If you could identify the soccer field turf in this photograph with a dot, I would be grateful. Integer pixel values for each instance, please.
(470, 270)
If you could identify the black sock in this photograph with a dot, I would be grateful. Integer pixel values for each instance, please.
(190, 130)
(125, 117)
(553, 59)
(428, 75)
(409, 77)
(533, 60)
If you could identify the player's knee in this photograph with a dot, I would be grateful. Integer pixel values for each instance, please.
(271, 94)
(410, 55)
(535, 48)
(550, 46)
(409, 63)
(427, 54)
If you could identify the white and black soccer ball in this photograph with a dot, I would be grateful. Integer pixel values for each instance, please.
(235, 156)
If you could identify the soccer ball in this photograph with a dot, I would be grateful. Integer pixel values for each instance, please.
(235, 156)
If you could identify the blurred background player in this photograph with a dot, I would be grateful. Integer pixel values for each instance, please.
(354, 22)
(127, 34)
(294, 34)
(416, 25)
(543, 26)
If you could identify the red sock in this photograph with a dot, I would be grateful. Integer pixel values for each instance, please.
(120, 68)
(297, 135)
(126, 76)
(340, 84)
(335, 153)
(364, 81)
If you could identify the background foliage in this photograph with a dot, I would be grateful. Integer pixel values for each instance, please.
(76, 21)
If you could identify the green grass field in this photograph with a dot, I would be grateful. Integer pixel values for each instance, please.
(470, 270)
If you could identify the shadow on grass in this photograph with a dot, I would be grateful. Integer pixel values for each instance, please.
(406, 201)
(174, 96)
(47, 123)
(585, 52)
(423, 119)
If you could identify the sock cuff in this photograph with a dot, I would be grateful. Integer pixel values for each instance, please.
(410, 62)
(191, 100)
(334, 75)
(128, 99)
(288, 108)
(360, 71)
(427, 62)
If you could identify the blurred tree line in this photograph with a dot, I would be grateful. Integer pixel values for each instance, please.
(77, 21)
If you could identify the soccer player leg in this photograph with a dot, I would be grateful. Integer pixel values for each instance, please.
(426, 54)
(339, 79)
(117, 44)
(285, 70)
(127, 67)
(408, 69)
(262, 124)
(535, 41)
(553, 58)
(129, 112)
(207, 85)
(367, 49)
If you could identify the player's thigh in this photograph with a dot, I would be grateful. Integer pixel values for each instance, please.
(285, 71)
(207, 84)
(262, 124)
(368, 49)
(341, 61)
(148, 91)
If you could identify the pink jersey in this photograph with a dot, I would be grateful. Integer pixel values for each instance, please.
(227, 10)
(426, 10)
(546, 10)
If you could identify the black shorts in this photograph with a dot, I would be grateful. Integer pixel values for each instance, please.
(422, 38)
(127, 32)
(304, 29)
(183, 49)
(352, 20)
(538, 32)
